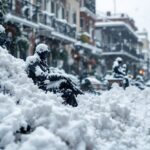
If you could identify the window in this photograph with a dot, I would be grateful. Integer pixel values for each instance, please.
(52, 7)
(45, 4)
(81, 3)
(60, 10)
(67, 15)
(48, 6)
(57, 10)
(81, 22)
(63, 12)
(74, 18)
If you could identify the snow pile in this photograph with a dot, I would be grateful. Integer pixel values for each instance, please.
(116, 120)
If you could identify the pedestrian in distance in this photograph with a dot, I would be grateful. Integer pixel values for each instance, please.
(120, 71)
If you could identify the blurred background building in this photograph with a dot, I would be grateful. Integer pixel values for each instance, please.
(117, 36)
(81, 42)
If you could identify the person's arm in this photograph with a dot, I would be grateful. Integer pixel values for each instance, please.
(55, 77)
(35, 72)
(118, 70)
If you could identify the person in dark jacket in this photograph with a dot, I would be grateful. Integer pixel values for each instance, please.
(38, 70)
(120, 71)
(4, 39)
(117, 68)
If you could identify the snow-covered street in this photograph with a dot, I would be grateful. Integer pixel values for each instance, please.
(115, 120)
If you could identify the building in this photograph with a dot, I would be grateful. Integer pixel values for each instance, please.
(48, 21)
(145, 50)
(67, 26)
(117, 36)
(86, 53)
(87, 16)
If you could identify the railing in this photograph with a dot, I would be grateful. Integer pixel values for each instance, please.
(60, 26)
(121, 47)
(90, 5)
(65, 28)
(23, 9)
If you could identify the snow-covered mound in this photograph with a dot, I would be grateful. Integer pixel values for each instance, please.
(116, 120)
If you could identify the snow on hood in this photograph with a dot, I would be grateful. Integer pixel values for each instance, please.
(116, 120)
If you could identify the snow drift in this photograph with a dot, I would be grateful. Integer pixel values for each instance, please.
(116, 120)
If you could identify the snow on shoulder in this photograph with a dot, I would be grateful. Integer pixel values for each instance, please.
(118, 119)
(2, 29)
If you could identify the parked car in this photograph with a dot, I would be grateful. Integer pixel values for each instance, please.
(138, 82)
(93, 85)
(147, 83)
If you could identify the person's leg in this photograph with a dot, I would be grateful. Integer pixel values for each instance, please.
(127, 82)
(69, 98)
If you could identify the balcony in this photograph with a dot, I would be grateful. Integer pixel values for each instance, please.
(29, 14)
(23, 9)
(88, 6)
(57, 25)
(121, 49)
(63, 27)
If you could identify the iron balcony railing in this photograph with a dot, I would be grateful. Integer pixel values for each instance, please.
(60, 26)
(90, 5)
(121, 47)
(31, 12)
(23, 9)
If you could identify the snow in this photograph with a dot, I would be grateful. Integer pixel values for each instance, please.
(42, 48)
(93, 80)
(94, 49)
(101, 15)
(45, 27)
(90, 13)
(59, 35)
(22, 20)
(47, 13)
(114, 24)
(62, 20)
(86, 34)
(115, 120)
(2, 29)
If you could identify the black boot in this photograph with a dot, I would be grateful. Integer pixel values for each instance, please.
(69, 98)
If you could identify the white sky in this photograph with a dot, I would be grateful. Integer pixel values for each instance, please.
(139, 10)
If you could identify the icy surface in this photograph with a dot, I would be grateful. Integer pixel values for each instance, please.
(116, 120)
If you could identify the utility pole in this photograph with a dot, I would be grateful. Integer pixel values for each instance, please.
(115, 6)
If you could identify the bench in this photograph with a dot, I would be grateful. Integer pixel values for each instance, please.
(119, 81)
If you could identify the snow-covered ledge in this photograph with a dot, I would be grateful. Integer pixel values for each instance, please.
(47, 13)
(115, 24)
(59, 35)
(84, 9)
(94, 49)
(21, 20)
(120, 53)
(46, 27)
